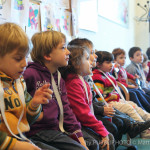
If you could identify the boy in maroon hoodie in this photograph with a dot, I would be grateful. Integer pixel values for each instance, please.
(57, 120)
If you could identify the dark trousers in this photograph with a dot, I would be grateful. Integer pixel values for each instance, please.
(55, 140)
(140, 98)
(98, 139)
(115, 127)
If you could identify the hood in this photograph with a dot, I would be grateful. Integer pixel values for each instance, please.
(4, 77)
(38, 66)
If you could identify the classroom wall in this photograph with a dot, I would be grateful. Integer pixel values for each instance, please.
(141, 28)
(111, 35)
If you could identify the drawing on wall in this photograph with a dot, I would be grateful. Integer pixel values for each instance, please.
(116, 11)
(20, 8)
(18, 4)
(57, 15)
(33, 20)
(65, 22)
(47, 17)
(5, 10)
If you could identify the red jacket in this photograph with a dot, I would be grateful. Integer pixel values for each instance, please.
(80, 106)
(148, 76)
(123, 75)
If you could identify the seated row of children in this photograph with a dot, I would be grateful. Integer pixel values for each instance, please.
(64, 113)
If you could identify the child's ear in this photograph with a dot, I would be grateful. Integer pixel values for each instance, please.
(131, 58)
(97, 64)
(47, 57)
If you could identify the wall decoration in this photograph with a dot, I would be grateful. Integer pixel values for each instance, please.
(47, 17)
(5, 10)
(114, 10)
(33, 20)
(20, 8)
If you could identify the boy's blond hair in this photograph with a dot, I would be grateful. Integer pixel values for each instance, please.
(12, 37)
(44, 43)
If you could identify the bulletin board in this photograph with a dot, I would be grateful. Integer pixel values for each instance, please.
(41, 15)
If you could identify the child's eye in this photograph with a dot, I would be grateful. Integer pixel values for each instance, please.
(18, 59)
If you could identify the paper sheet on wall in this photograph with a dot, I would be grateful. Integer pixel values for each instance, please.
(5, 11)
(75, 25)
(20, 12)
(66, 22)
(47, 17)
(88, 16)
(57, 15)
(62, 3)
(33, 19)
(74, 3)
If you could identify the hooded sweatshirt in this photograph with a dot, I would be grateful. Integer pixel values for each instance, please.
(13, 110)
(37, 75)
(81, 106)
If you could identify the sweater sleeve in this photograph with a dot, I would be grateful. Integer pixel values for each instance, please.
(82, 110)
(131, 69)
(6, 142)
(70, 122)
(108, 93)
(32, 113)
(130, 76)
(119, 79)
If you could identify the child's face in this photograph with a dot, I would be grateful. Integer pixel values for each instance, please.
(13, 64)
(93, 57)
(137, 57)
(106, 66)
(120, 59)
(86, 65)
(60, 55)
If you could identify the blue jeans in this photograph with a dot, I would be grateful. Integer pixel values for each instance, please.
(140, 98)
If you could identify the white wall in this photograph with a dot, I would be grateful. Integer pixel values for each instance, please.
(141, 28)
(111, 35)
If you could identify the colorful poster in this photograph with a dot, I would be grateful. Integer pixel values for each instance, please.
(66, 22)
(5, 11)
(116, 11)
(47, 17)
(57, 15)
(33, 19)
(20, 8)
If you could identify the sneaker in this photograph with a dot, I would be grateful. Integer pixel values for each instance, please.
(133, 147)
(138, 127)
(145, 134)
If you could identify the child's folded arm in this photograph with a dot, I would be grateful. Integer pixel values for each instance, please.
(130, 76)
(6, 142)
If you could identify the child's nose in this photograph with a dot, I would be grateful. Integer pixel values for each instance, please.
(67, 52)
(24, 63)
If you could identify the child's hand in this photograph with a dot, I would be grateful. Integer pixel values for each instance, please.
(104, 142)
(132, 86)
(21, 145)
(108, 111)
(42, 96)
(113, 96)
(81, 139)
(117, 65)
(136, 76)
